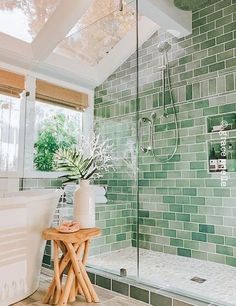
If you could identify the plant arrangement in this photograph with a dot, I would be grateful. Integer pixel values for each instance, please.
(89, 159)
(54, 134)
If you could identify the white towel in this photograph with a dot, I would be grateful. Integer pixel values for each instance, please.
(100, 199)
(98, 190)
(13, 248)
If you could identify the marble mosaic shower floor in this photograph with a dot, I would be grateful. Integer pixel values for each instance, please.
(172, 272)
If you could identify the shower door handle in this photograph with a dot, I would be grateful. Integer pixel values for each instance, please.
(140, 134)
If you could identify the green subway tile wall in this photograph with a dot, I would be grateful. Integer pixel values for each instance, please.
(184, 209)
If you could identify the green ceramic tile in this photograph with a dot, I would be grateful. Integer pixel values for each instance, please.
(225, 250)
(230, 45)
(208, 60)
(217, 66)
(229, 82)
(189, 92)
(183, 217)
(103, 282)
(159, 299)
(176, 207)
(230, 27)
(199, 255)
(230, 241)
(168, 199)
(184, 252)
(228, 108)
(223, 21)
(139, 294)
(120, 287)
(187, 123)
(168, 216)
(188, 226)
(190, 191)
(210, 111)
(191, 209)
(224, 38)
(208, 43)
(215, 16)
(216, 239)
(231, 261)
(197, 165)
(216, 32)
(199, 237)
(206, 228)
(169, 232)
(200, 71)
(230, 63)
(176, 242)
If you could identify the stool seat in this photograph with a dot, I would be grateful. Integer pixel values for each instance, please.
(74, 253)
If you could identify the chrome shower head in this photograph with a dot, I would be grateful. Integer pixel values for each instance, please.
(163, 46)
(190, 5)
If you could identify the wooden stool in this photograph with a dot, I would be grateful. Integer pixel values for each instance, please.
(74, 247)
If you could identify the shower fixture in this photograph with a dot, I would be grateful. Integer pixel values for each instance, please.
(121, 6)
(150, 122)
(190, 5)
(163, 48)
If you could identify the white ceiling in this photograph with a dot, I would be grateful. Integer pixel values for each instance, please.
(36, 49)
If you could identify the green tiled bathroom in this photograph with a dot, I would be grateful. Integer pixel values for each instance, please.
(160, 82)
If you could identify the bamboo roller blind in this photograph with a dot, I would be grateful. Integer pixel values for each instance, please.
(49, 92)
(11, 84)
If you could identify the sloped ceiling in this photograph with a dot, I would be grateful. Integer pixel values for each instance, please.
(81, 41)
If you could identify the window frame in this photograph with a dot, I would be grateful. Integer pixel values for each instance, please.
(19, 170)
(26, 145)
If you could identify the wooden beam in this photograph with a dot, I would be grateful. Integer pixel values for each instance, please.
(58, 26)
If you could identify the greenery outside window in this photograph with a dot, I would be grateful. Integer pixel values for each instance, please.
(55, 127)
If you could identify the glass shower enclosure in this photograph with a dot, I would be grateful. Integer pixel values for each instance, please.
(163, 224)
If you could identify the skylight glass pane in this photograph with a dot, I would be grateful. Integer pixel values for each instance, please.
(23, 19)
(103, 25)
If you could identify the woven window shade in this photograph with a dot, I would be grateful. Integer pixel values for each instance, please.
(11, 84)
(51, 93)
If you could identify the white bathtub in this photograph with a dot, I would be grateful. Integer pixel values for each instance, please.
(23, 216)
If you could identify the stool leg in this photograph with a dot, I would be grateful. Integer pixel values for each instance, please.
(89, 284)
(64, 261)
(86, 252)
(72, 296)
(78, 273)
(66, 291)
(57, 292)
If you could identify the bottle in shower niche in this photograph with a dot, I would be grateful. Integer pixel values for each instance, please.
(222, 163)
(222, 157)
(213, 161)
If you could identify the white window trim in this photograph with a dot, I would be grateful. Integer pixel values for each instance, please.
(25, 149)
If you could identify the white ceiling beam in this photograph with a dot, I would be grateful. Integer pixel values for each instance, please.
(58, 26)
(167, 16)
(17, 46)
(80, 70)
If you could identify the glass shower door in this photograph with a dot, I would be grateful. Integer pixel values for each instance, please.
(115, 119)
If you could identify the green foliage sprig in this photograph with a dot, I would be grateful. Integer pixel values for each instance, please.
(89, 160)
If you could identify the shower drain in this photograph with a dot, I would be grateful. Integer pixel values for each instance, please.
(197, 279)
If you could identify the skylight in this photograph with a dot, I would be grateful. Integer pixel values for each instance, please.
(104, 24)
(23, 19)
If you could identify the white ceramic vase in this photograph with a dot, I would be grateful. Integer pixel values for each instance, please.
(84, 205)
